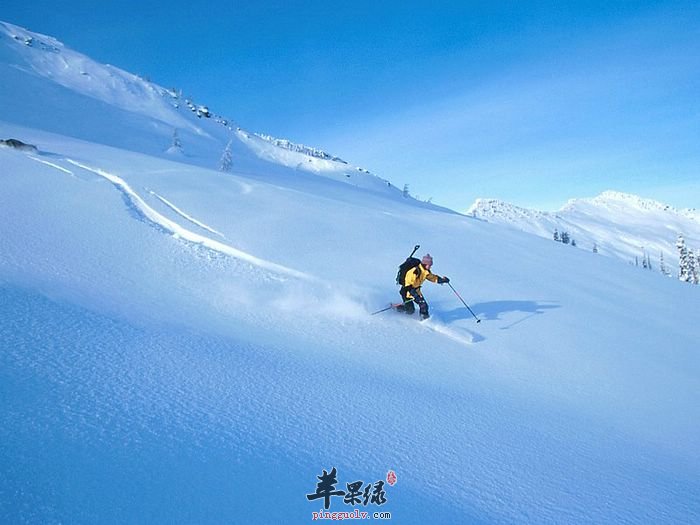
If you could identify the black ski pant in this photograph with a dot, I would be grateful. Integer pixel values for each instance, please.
(418, 298)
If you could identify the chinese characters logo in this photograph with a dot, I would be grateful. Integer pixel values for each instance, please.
(357, 493)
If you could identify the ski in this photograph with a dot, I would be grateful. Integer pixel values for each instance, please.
(391, 305)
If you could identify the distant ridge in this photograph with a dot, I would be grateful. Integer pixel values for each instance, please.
(618, 224)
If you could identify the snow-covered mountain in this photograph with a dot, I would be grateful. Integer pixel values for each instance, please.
(182, 345)
(54, 88)
(621, 225)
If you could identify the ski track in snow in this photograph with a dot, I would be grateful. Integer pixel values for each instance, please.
(448, 332)
(185, 215)
(457, 334)
(56, 166)
(178, 231)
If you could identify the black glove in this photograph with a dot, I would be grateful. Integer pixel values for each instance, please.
(443, 280)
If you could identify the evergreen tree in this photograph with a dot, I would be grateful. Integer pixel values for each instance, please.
(685, 264)
(565, 237)
(406, 194)
(556, 235)
(176, 145)
(595, 248)
(693, 269)
(573, 242)
(226, 159)
(662, 265)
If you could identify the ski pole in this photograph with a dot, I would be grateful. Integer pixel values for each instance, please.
(414, 250)
(382, 310)
(390, 307)
(465, 304)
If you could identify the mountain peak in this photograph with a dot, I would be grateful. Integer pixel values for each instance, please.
(485, 208)
(619, 224)
(620, 199)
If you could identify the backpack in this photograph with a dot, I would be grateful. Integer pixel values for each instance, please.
(409, 264)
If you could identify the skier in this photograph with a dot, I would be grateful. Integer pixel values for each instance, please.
(411, 283)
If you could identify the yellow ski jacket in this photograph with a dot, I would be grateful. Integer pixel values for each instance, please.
(416, 277)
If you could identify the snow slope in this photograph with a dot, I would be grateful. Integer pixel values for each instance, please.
(54, 88)
(185, 346)
(620, 225)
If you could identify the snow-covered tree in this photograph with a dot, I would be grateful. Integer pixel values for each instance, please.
(406, 194)
(662, 265)
(595, 248)
(573, 242)
(687, 271)
(176, 145)
(226, 161)
(556, 235)
(565, 237)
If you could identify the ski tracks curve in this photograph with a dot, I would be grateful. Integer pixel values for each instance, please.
(171, 227)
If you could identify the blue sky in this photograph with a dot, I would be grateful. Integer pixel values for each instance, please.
(529, 102)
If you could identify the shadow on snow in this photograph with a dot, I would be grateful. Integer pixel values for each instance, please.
(493, 310)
